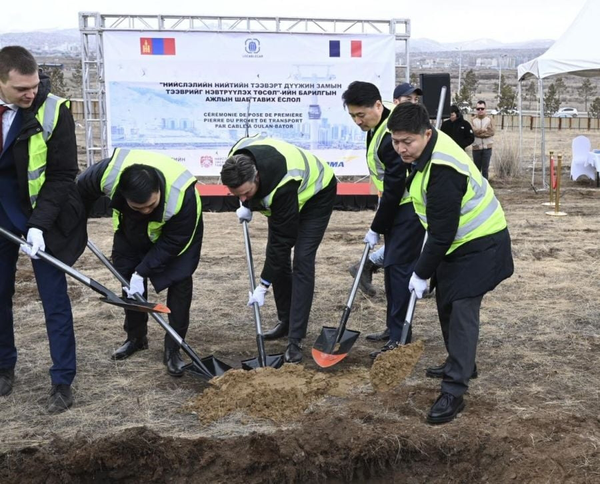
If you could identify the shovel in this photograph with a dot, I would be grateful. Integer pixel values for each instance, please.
(333, 344)
(205, 368)
(274, 361)
(109, 296)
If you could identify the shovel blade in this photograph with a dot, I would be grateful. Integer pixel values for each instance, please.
(212, 367)
(327, 351)
(143, 307)
(273, 361)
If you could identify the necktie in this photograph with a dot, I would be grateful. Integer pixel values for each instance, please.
(3, 108)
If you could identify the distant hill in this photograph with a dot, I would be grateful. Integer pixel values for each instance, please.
(68, 40)
(45, 42)
(429, 45)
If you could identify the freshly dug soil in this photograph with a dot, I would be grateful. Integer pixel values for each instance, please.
(391, 368)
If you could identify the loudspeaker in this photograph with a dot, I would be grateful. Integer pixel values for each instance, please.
(431, 85)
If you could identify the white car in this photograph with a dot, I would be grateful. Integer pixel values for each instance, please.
(566, 112)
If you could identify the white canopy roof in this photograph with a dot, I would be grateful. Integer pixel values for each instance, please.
(577, 51)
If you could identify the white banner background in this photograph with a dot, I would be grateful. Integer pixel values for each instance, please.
(196, 104)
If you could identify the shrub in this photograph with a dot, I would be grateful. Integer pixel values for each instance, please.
(505, 157)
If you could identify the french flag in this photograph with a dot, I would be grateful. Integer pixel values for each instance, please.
(335, 48)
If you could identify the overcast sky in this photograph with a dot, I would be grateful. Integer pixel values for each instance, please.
(441, 20)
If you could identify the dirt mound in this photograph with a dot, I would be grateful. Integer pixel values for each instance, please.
(279, 395)
(392, 367)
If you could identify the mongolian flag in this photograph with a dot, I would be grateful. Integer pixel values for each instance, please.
(157, 46)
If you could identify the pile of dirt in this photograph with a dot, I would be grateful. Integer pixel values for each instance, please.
(279, 395)
(392, 367)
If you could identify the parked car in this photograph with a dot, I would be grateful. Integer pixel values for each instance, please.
(566, 112)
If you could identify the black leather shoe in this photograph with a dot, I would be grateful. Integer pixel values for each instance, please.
(60, 399)
(445, 409)
(130, 347)
(366, 278)
(174, 362)
(438, 371)
(293, 353)
(390, 345)
(279, 331)
(383, 336)
(7, 378)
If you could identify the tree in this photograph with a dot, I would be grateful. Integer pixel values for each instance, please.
(551, 100)
(468, 88)
(508, 97)
(586, 90)
(561, 89)
(414, 78)
(594, 111)
(530, 93)
(58, 86)
(77, 80)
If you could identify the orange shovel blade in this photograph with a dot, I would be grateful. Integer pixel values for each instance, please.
(325, 360)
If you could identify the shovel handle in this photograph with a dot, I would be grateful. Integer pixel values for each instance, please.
(58, 264)
(166, 326)
(346, 314)
(260, 341)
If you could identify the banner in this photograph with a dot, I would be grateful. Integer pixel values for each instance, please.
(192, 95)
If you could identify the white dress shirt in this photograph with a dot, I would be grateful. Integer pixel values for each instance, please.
(7, 119)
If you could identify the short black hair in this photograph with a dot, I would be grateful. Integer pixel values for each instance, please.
(360, 93)
(138, 182)
(409, 117)
(454, 109)
(15, 57)
(238, 169)
(482, 102)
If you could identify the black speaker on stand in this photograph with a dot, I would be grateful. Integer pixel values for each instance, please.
(431, 85)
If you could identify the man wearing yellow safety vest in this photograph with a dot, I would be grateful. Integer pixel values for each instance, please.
(395, 217)
(468, 249)
(39, 200)
(296, 191)
(157, 218)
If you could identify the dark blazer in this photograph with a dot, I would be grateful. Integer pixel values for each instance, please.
(59, 210)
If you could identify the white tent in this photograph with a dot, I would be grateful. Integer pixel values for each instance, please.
(575, 52)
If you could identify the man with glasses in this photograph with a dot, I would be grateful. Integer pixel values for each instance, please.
(483, 128)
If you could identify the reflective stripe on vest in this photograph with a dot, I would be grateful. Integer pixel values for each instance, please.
(177, 181)
(47, 116)
(480, 213)
(374, 163)
(303, 166)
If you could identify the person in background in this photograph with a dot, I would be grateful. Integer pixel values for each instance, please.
(458, 128)
(296, 191)
(406, 92)
(483, 129)
(468, 248)
(38, 200)
(157, 219)
(395, 216)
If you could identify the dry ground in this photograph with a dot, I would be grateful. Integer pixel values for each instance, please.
(532, 415)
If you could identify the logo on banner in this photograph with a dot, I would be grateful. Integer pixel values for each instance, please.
(206, 161)
(252, 46)
(336, 46)
(157, 46)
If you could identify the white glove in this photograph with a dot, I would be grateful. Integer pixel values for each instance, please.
(136, 286)
(35, 238)
(244, 214)
(258, 296)
(418, 285)
(372, 238)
